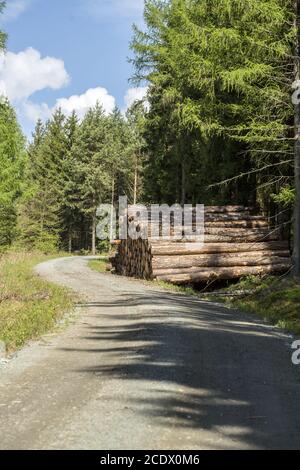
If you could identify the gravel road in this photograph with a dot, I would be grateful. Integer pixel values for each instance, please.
(141, 368)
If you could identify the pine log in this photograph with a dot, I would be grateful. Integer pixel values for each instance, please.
(224, 273)
(159, 248)
(241, 238)
(232, 232)
(233, 217)
(237, 223)
(116, 242)
(195, 269)
(221, 260)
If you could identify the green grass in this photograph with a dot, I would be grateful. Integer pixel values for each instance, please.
(29, 306)
(276, 300)
(175, 288)
(99, 265)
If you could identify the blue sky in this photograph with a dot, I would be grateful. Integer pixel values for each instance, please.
(68, 53)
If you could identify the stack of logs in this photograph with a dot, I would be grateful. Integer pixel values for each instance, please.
(236, 244)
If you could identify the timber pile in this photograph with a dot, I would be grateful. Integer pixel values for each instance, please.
(237, 244)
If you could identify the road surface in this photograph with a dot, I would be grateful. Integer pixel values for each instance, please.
(141, 368)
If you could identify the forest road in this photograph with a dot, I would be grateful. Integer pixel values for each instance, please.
(141, 368)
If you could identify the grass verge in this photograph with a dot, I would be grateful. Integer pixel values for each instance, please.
(276, 300)
(29, 306)
(99, 265)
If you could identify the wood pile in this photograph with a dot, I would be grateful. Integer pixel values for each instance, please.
(236, 244)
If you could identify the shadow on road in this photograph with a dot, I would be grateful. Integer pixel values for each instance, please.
(201, 367)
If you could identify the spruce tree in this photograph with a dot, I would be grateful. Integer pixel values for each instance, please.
(92, 166)
(220, 74)
(71, 217)
(41, 213)
(12, 161)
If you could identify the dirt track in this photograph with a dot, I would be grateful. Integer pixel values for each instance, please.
(139, 368)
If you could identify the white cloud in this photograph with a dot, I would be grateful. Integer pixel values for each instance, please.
(135, 94)
(35, 111)
(15, 8)
(79, 103)
(27, 72)
(24, 73)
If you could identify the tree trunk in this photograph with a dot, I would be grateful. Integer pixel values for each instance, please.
(70, 242)
(297, 150)
(183, 193)
(111, 234)
(94, 223)
(135, 181)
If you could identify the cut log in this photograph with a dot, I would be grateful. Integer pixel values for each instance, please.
(238, 231)
(233, 217)
(237, 223)
(224, 273)
(195, 248)
(235, 244)
(195, 269)
(219, 260)
(225, 209)
(233, 238)
(115, 242)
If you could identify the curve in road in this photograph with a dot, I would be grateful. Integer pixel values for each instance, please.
(142, 368)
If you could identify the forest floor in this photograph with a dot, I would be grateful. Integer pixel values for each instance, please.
(140, 367)
(29, 306)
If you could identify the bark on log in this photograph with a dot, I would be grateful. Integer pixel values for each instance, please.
(194, 248)
(219, 260)
(224, 273)
(236, 244)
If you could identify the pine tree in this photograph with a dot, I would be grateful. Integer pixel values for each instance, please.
(71, 217)
(220, 74)
(136, 124)
(41, 213)
(12, 161)
(92, 166)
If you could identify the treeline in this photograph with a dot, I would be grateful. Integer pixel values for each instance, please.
(220, 76)
(220, 127)
(68, 170)
(50, 189)
(72, 168)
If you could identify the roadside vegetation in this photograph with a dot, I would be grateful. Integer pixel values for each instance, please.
(29, 306)
(99, 265)
(276, 300)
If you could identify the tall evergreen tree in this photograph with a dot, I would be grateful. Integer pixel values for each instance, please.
(220, 74)
(92, 166)
(136, 123)
(71, 216)
(41, 215)
(12, 161)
